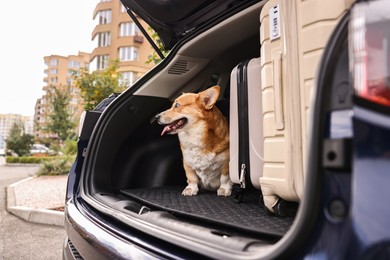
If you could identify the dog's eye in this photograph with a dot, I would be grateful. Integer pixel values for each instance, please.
(177, 104)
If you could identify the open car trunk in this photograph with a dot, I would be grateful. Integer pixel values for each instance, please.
(136, 176)
(144, 179)
(152, 175)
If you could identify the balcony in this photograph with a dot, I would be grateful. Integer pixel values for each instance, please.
(100, 51)
(138, 39)
(101, 28)
(103, 6)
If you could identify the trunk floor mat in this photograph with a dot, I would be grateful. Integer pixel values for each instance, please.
(249, 215)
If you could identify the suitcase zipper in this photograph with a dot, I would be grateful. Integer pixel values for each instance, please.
(243, 139)
(243, 126)
(242, 176)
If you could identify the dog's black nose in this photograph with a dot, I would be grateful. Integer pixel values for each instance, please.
(156, 117)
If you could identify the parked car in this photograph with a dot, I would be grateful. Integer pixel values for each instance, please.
(40, 149)
(124, 190)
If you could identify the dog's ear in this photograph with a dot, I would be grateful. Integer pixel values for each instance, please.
(209, 97)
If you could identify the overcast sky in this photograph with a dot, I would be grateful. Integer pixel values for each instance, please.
(34, 29)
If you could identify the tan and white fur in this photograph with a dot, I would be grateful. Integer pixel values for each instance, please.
(204, 140)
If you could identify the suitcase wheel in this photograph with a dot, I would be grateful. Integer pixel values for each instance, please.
(285, 208)
(238, 195)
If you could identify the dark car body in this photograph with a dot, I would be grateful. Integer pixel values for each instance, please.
(344, 213)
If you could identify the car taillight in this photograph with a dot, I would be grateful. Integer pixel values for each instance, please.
(369, 49)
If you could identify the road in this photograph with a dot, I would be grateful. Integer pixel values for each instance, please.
(20, 239)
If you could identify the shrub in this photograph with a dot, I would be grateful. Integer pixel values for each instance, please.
(27, 159)
(58, 166)
(70, 147)
(31, 159)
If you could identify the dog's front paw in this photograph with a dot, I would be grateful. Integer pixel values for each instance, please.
(224, 192)
(190, 190)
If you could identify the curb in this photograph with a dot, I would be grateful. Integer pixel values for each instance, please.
(41, 216)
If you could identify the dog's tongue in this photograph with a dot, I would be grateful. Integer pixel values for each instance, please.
(172, 126)
(166, 129)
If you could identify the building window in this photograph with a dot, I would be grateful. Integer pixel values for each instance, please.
(73, 73)
(102, 62)
(128, 53)
(74, 90)
(74, 101)
(104, 16)
(73, 64)
(54, 62)
(53, 71)
(104, 39)
(128, 29)
(99, 62)
(53, 80)
(128, 78)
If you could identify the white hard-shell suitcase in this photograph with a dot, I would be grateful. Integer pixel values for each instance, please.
(246, 130)
(293, 35)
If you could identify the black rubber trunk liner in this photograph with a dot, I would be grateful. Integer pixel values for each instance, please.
(249, 215)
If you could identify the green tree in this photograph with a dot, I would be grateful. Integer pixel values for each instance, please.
(18, 141)
(154, 56)
(70, 147)
(98, 85)
(59, 118)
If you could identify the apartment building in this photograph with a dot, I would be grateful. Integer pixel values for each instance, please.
(59, 74)
(6, 123)
(118, 38)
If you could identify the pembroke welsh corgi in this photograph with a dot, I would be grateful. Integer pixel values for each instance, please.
(204, 140)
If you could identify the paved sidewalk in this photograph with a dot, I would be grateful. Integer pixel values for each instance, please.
(38, 199)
